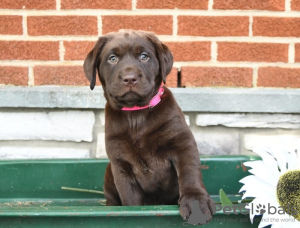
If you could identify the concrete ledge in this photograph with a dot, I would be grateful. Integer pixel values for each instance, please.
(51, 97)
(190, 100)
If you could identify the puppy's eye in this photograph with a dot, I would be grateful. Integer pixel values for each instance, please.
(144, 57)
(113, 59)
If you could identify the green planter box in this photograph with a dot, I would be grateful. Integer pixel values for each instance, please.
(31, 196)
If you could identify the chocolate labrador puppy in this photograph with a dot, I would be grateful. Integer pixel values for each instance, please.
(153, 154)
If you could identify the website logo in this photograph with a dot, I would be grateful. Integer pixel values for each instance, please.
(197, 216)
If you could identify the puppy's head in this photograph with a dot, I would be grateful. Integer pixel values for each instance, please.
(131, 65)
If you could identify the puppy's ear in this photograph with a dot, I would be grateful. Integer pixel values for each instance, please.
(163, 55)
(92, 61)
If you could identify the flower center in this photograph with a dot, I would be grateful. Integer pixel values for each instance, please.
(288, 193)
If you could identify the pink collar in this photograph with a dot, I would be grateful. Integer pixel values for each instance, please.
(154, 101)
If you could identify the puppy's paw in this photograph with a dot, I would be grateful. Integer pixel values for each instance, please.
(197, 208)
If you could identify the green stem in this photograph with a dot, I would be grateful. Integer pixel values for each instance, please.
(238, 202)
(82, 190)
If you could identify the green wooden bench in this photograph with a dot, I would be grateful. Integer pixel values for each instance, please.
(31, 195)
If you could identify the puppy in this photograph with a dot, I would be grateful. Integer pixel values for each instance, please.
(153, 155)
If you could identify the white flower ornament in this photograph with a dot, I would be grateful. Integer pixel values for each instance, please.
(275, 187)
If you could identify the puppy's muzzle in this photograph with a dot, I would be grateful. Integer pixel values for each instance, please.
(130, 79)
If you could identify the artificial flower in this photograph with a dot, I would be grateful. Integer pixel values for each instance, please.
(262, 186)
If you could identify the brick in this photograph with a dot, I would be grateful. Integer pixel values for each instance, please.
(77, 50)
(253, 52)
(62, 25)
(161, 25)
(28, 4)
(29, 50)
(190, 51)
(172, 78)
(274, 5)
(276, 26)
(279, 77)
(297, 52)
(172, 4)
(216, 76)
(13, 75)
(213, 26)
(96, 4)
(295, 5)
(11, 25)
(59, 75)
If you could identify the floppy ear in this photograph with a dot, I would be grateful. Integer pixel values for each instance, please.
(163, 55)
(92, 61)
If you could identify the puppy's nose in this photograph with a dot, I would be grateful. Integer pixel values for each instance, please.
(130, 79)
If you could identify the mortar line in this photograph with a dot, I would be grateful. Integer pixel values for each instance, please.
(27, 63)
(24, 25)
(288, 5)
(210, 4)
(30, 76)
(251, 26)
(153, 12)
(99, 25)
(175, 25)
(134, 4)
(236, 64)
(291, 53)
(58, 5)
(62, 51)
(255, 77)
(214, 51)
(164, 38)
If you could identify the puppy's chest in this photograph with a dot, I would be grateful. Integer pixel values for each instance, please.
(149, 165)
(147, 155)
(153, 173)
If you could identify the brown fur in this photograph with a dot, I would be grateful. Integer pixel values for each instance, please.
(153, 154)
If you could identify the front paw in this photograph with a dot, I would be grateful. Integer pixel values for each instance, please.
(197, 207)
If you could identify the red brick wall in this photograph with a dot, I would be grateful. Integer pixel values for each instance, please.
(215, 43)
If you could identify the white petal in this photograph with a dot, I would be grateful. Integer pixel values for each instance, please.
(250, 186)
(281, 157)
(254, 164)
(263, 200)
(295, 224)
(265, 221)
(278, 225)
(259, 170)
(253, 206)
(293, 161)
(251, 215)
(268, 159)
